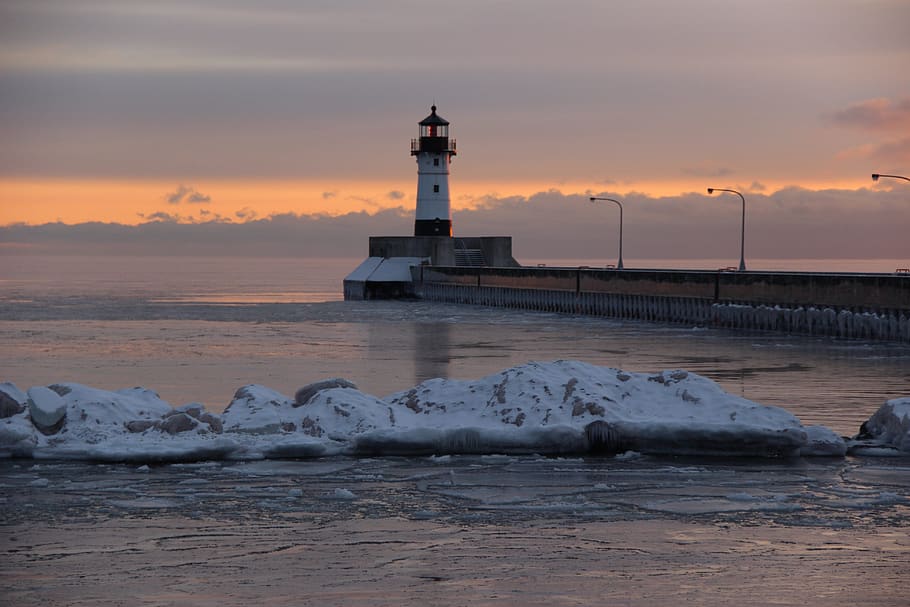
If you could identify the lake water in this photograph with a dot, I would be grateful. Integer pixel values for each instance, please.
(415, 531)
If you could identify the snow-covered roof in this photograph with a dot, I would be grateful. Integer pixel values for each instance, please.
(363, 271)
(380, 269)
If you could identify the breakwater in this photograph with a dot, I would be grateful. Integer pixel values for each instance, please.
(851, 306)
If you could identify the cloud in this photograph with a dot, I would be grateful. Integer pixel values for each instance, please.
(897, 151)
(329, 195)
(162, 216)
(893, 151)
(878, 115)
(185, 194)
(550, 225)
(365, 200)
(204, 216)
(867, 150)
(246, 214)
(395, 195)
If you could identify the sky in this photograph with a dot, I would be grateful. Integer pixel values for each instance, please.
(168, 119)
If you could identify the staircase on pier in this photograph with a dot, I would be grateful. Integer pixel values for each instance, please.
(469, 258)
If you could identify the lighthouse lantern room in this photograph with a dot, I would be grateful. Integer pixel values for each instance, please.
(434, 151)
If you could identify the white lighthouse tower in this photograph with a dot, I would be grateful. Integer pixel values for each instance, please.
(434, 151)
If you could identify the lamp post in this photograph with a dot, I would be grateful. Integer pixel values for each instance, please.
(742, 237)
(619, 204)
(876, 176)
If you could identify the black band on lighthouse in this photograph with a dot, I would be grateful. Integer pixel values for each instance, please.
(433, 227)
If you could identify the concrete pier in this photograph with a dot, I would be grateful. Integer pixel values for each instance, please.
(851, 306)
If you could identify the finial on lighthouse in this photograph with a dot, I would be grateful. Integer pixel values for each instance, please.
(434, 151)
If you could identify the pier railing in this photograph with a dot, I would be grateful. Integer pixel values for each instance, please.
(864, 306)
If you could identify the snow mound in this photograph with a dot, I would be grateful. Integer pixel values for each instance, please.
(559, 407)
(674, 412)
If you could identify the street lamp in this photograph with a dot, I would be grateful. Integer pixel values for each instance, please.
(619, 204)
(875, 177)
(742, 237)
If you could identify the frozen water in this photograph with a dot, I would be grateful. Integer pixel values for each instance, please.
(410, 531)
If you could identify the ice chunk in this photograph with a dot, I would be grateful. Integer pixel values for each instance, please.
(342, 413)
(197, 411)
(255, 410)
(47, 409)
(95, 416)
(12, 400)
(17, 433)
(889, 426)
(305, 394)
(823, 442)
(342, 494)
(178, 422)
(17, 436)
(471, 440)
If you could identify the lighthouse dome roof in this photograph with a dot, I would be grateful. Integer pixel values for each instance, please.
(433, 118)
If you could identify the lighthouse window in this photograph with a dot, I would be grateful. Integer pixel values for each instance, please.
(436, 162)
(435, 188)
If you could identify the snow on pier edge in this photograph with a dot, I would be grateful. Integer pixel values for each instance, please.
(559, 407)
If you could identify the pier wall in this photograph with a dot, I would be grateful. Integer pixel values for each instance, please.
(853, 306)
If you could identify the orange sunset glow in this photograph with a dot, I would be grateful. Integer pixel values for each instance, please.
(133, 202)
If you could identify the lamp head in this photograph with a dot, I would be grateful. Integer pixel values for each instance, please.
(710, 190)
(875, 176)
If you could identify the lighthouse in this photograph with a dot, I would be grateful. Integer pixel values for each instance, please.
(434, 151)
(398, 265)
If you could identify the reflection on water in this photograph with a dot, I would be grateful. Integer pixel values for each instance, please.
(424, 346)
(432, 350)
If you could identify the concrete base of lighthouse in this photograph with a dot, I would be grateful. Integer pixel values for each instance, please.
(386, 273)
